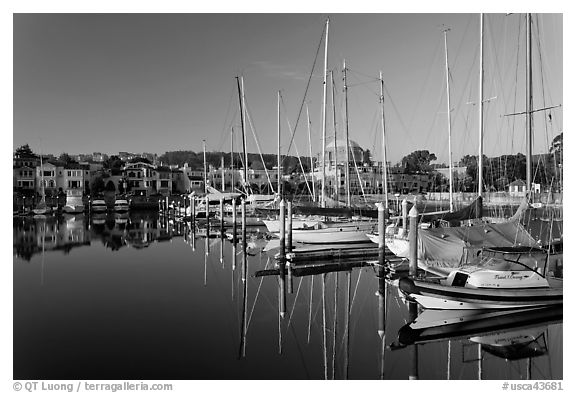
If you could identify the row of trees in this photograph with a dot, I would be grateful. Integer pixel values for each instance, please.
(196, 160)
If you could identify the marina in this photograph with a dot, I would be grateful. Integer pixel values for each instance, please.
(382, 259)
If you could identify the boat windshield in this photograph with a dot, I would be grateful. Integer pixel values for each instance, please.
(502, 264)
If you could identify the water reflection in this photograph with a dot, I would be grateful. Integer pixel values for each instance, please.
(218, 305)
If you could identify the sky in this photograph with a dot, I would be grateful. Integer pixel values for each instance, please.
(151, 82)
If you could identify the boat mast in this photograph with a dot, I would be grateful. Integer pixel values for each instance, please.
(449, 122)
(240, 84)
(529, 102)
(205, 169)
(278, 169)
(481, 108)
(311, 160)
(336, 177)
(323, 194)
(347, 155)
(384, 164)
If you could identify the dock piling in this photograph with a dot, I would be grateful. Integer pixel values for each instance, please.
(243, 209)
(233, 220)
(222, 215)
(282, 232)
(381, 231)
(404, 215)
(413, 241)
(289, 235)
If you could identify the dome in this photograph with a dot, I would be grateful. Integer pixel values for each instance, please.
(356, 152)
(341, 143)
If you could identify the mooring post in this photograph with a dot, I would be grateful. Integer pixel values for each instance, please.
(167, 205)
(289, 234)
(413, 241)
(221, 214)
(290, 286)
(193, 209)
(184, 204)
(233, 220)
(282, 288)
(178, 212)
(243, 209)
(282, 232)
(405, 215)
(207, 216)
(381, 232)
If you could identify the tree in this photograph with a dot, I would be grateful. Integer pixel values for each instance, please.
(418, 161)
(24, 151)
(67, 159)
(98, 185)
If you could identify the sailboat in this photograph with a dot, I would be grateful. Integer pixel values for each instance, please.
(510, 233)
(41, 208)
(321, 231)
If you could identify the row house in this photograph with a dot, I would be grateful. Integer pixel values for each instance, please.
(24, 179)
(61, 177)
(141, 178)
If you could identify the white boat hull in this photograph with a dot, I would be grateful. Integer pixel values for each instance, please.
(342, 235)
(274, 225)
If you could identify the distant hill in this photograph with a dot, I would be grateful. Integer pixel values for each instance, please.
(195, 160)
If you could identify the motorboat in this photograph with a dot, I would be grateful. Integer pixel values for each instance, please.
(121, 206)
(98, 205)
(495, 282)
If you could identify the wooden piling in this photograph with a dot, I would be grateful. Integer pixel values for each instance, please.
(178, 212)
(221, 214)
(193, 210)
(404, 215)
(282, 232)
(413, 241)
(289, 232)
(167, 206)
(381, 232)
(234, 221)
(243, 211)
(207, 217)
(290, 283)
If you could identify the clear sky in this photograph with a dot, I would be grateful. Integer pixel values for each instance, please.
(87, 83)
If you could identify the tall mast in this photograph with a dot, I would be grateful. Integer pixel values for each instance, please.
(311, 160)
(347, 155)
(278, 169)
(336, 177)
(529, 101)
(323, 194)
(384, 164)
(240, 83)
(205, 168)
(481, 107)
(449, 121)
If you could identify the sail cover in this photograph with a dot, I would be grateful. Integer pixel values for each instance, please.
(447, 244)
(474, 210)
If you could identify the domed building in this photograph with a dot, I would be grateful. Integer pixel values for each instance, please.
(337, 152)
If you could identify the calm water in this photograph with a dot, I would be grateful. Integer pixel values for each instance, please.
(139, 298)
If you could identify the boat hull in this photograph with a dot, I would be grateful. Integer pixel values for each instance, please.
(437, 296)
(342, 235)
